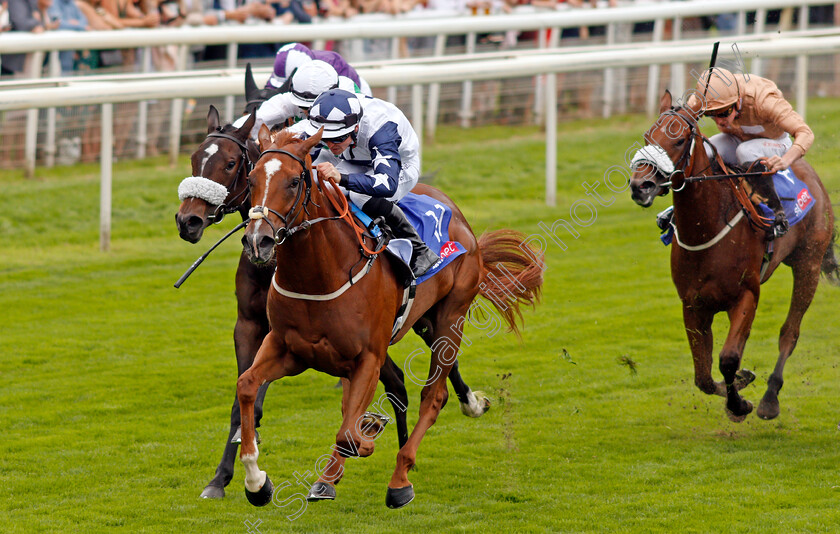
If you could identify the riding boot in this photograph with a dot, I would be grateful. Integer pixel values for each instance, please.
(764, 187)
(664, 218)
(422, 256)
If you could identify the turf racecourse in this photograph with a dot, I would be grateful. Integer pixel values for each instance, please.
(116, 387)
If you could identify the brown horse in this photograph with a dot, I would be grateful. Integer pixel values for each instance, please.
(716, 261)
(225, 158)
(320, 320)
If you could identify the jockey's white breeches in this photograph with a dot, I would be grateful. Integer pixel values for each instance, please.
(733, 151)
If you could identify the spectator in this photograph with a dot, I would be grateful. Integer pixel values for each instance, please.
(71, 18)
(289, 11)
(98, 18)
(26, 16)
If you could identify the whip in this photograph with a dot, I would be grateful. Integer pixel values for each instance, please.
(197, 262)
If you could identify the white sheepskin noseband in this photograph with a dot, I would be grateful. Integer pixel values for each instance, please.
(203, 188)
(655, 156)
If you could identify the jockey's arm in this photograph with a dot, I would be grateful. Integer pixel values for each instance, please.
(386, 165)
(779, 111)
(273, 111)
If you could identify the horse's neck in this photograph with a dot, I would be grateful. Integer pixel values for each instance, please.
(318, 260)
(701, 208)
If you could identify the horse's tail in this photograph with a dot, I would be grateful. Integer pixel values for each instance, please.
(830, 267)
(511, 274)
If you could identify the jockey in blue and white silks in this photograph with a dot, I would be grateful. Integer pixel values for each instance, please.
(373, 153)
(295, 55)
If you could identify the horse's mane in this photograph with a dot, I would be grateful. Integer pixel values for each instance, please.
(285, 137)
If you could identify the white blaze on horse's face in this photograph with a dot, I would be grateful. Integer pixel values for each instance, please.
(271, 167)
(210, 150)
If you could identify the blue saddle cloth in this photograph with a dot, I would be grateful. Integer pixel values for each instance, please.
(795, 195)
(430, 217)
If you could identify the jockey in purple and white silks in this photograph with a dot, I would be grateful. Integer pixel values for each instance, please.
(307, 82)
(294, 55)
(373, 154)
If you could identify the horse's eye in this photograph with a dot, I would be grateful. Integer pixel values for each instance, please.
(681, 142)
(294, 183)
(231, 164)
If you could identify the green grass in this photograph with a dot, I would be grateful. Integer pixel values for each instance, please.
(116, 388)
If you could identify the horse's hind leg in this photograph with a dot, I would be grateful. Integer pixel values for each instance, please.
(473, 403)
(393, 380)
(433, 396)
(806, 275)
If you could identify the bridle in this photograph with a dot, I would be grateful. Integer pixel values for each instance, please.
(304, 190)
(245, 167)
(655, 156)
(340, 204)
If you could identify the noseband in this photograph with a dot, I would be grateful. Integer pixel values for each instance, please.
(245, 167)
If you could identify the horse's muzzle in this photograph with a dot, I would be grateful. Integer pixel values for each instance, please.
(643, 192)
(190, 227)
(259, 247)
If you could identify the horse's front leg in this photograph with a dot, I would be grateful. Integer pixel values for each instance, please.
(358, 429)
(273, 361)
(740, 322)
(698, 327)
(248, 336)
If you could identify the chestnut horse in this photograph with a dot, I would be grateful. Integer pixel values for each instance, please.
(224, 158)
(716, 261)
(320, 319)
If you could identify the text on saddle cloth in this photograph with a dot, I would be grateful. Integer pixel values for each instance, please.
(796, 198)
(430, 217)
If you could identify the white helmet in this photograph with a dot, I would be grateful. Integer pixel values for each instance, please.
(310, 80)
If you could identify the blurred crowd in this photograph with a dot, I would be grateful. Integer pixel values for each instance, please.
(37, 16)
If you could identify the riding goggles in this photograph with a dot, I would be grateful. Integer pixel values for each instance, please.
(721, 113)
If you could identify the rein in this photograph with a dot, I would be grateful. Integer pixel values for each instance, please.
(682, 166)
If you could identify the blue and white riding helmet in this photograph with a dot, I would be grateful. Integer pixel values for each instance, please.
(337, 111)
(310, 80)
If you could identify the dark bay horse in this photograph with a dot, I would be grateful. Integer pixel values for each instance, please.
(319, 320)
(716, 258)
(224, 158)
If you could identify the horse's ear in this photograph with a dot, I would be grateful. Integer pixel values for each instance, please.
(251, 89)
(312, 141)
(665, 103)
(264, 137)
(695, 106)
(244, 131)
(212, 119)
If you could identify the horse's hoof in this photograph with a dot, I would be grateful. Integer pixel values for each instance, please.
(746, 408)
(237, 437)
(399, 497)
(213, 492)
(321, 491)
(477, 406)
(373, 422)
(743, 378)
(768, 408)
(263, 495)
